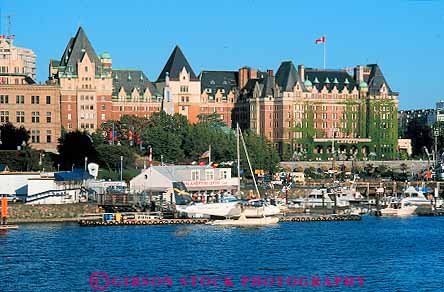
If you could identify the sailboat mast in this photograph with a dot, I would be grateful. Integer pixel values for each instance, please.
(249, 163)
(238, 158)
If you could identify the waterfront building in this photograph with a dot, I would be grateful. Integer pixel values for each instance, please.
(92, 92)
(196, 179)
(405, 145)
(440, 111)
(133, 94)
(15, 60)
(219, 92)
(33, 106)
(306, 112)
(180, 87)
(426, 117)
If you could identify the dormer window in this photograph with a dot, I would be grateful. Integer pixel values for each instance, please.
(86, 68)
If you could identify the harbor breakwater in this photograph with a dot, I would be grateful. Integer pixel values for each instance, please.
(21, 213)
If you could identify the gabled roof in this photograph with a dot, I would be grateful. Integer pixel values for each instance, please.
(130, 79)
(376, 79)
(76, 49)
(326, 77)
(287, 76)
(215, 80)
(174, 66)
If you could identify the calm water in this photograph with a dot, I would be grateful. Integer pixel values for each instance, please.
(392, 254)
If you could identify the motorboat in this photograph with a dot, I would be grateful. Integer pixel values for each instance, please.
(399, 208)
(316, 198)
(415, 197)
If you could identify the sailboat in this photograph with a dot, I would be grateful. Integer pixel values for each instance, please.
(255, 212)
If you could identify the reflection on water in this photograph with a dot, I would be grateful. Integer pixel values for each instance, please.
(393, 254)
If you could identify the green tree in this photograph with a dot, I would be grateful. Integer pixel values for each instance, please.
(11, 136)
(73, 148)
(213, 120)
(109, 156)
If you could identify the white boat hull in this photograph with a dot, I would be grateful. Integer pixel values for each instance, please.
(405, 211)
(242, 221)
(214, 209)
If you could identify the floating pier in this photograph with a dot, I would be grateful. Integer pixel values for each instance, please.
(204, 221)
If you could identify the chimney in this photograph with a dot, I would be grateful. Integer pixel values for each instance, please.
(270, 72)
(243, 77)
(301, 70)
(253, 73)
(359, 74)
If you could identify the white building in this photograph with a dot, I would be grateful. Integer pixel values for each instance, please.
(164, 179)
(33, 188)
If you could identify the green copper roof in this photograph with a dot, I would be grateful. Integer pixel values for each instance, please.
(307, 83)
(327, 80)
(335, 81)
(346, 81)
(363, 84)
(316, 80)
(105, 55)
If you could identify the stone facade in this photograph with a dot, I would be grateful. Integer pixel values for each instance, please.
(305, 112)
(35, 107)
(15, 60)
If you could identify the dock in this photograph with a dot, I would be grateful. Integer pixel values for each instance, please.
(204, 220)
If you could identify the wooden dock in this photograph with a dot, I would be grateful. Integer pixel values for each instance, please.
(204, 221)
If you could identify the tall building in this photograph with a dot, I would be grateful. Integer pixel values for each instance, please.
(133, 94)
(219, 92)
(180, 87)
(15, 61)
(85, 84)
(426, 117)
(92, 92)
(440, 111)
(306, 111)
(35, 107)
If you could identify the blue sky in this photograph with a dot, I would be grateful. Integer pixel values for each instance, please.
(405, 37)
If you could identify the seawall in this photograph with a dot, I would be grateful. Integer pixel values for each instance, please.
(21, 213)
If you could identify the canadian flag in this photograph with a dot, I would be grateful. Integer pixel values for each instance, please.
(320, 40)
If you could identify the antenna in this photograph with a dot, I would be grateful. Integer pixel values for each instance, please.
(8, 24)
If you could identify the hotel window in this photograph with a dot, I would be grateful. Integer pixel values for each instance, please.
(19, 99)
(35, 136)
(91, 126)
(69, 107)
(183, 88)
(20, 117)
(48, 99)
(35, 99)
(209, 174)
(48, 136)
(69, 126)
(4, 99)
(35, 117)
(223, 174)
(69, 117)
(103, 117)
(103, 107)
(48, 117)
(195, 175)
(4, 116)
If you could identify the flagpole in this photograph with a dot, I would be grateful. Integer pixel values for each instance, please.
(112, 142)
(209, 154)
(325, 44)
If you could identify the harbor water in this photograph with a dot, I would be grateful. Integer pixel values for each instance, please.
(387, 254)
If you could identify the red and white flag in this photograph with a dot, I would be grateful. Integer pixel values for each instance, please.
(320, 40)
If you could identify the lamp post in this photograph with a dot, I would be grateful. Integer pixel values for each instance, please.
(86, 162)
(121, 168)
